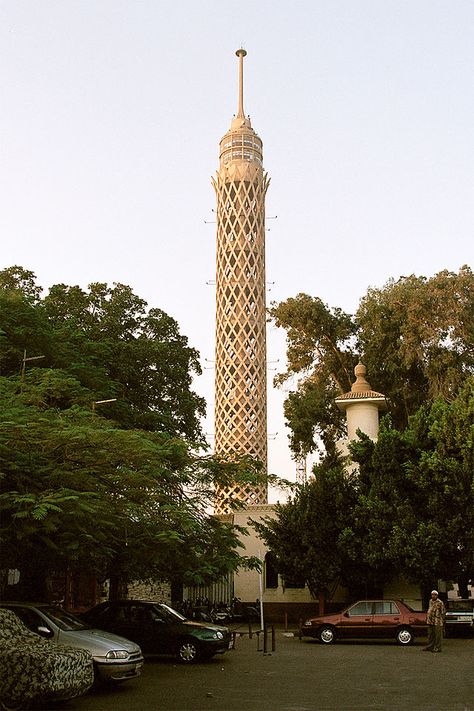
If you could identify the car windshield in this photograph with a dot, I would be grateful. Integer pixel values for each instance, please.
(171, 614)
(64, 620)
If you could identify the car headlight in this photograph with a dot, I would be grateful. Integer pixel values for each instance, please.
(218, 635)
(117, 654)
(308, 623)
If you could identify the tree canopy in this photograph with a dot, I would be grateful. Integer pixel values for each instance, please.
(409, 507)
(120, 488)
(408, 511)
(107, 339)
(415, 336)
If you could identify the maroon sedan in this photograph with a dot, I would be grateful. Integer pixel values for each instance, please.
(370, 619)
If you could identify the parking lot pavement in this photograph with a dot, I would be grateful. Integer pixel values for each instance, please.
(302, 676)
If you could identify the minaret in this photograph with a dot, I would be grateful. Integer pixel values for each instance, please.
(362, 406)
(240, 423)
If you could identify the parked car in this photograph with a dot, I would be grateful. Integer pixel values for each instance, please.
(369, 619)
(159, 629)
(115, 659)
(38, 670)
(459, 617)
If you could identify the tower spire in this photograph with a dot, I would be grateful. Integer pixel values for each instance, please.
(241, 53)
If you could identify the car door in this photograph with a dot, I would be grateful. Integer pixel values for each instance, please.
(356, 621)
(128, 620)
(386, 618)
(143, 624)
(148, 628)
(164, 631)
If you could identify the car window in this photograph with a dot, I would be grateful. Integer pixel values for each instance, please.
(170, 614)
(158, 614)
(139, 614)
(386, 607)
(361, 608)
(117, 613)
(29, 617)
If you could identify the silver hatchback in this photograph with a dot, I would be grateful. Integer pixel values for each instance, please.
(115, 658)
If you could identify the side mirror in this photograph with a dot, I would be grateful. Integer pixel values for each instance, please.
(45, 632)
(346, 614)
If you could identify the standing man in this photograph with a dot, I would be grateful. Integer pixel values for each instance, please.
(435, 621)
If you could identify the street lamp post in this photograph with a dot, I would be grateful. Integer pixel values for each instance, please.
(101, 402)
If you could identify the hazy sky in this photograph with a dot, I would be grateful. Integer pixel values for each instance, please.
(111, 112)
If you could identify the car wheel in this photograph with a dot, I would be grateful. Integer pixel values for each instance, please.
(404, 636)
(327, 635)
(188, 651)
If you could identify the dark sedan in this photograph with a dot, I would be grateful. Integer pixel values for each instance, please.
(383, 619)
(159, 629)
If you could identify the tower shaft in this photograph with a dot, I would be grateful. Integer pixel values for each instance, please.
(240, 384)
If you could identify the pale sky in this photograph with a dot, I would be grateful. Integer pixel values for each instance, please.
(111, 112)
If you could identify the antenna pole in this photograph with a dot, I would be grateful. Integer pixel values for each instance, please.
(241, 53)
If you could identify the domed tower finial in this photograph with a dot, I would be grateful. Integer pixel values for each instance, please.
(361, 384)
(241, 53)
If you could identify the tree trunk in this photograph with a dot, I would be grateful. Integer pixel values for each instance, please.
(463, 581)
(322, 600)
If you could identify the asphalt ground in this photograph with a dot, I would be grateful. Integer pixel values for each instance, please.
(302, 676)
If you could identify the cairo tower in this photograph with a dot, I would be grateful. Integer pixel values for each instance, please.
(240, 382)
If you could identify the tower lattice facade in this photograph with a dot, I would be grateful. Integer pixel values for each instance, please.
(241, 372)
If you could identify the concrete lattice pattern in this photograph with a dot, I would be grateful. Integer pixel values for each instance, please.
(240, 384)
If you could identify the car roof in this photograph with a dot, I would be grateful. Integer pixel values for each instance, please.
(135, 602)
(376, 599)
(23, 603)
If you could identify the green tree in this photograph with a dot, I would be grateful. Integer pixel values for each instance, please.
(17, 278)
(320, 354)
(418, 485)
(319, 536)
(124, 490)
(408, 510)
(77, 492)
(417, 339)
(111, 343)
(305, 534)
(415, 336)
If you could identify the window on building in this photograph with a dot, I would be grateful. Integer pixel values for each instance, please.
(271, 572)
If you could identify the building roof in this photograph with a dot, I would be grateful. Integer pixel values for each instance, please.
(361, 390)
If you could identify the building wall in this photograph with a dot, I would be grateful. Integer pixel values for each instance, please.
(153, 591)
(362, 416)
